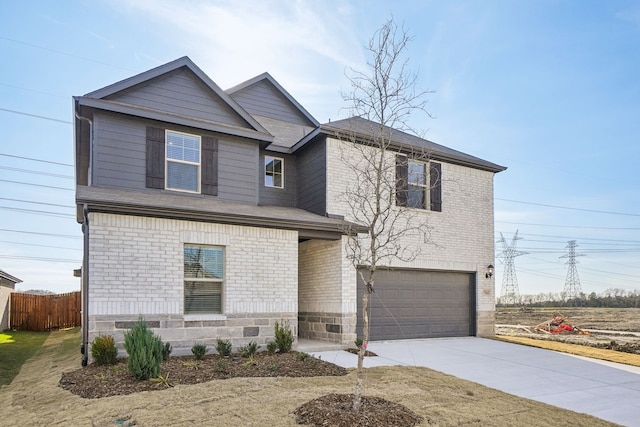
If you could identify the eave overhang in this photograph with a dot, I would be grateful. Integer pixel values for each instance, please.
(417, 146)
(204, 209)
(152, 114)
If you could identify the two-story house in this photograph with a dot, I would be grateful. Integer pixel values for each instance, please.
(214, 214)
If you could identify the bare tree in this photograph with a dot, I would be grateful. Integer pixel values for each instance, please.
(382, 99)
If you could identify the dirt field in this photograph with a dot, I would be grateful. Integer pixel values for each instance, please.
(609, 328)
(34, 398)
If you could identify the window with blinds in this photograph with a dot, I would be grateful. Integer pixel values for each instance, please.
(203, 279)
(183, 161)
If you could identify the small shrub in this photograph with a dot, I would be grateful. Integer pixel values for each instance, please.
(221, 365)
(283, 336)
(145, 351)
(358, 342)
(166, 350)
(103, 350)
(199, 350)
(163, 380)
(223, 347)
(272, 346)
(303, 357)
(249, 350)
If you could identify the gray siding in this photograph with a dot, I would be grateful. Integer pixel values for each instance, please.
(279, 196)
(312, 177)
(181, 93)
(262, 99)
(238, 171)
(120, 150)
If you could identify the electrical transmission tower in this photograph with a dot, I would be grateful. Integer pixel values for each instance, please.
(510, 293)
(572, 288)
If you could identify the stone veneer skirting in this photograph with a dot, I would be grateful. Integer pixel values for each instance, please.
(332, 327)
(183, 332)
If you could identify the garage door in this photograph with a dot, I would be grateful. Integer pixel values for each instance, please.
(419, 304)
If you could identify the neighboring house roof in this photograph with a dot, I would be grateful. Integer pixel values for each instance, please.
(273, 107)
(308, 224)
(362, 129)
(107, 98)
(10, 278)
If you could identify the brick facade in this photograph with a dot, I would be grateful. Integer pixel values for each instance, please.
(461, 236)
(327, 292)
(136, 269)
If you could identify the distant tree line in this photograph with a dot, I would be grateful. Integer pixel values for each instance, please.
(612, 298)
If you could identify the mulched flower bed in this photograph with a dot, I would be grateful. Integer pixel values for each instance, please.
(96, 381)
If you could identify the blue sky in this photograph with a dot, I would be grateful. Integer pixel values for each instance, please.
(550, 89)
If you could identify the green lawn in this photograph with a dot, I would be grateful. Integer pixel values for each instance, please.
(16, 347)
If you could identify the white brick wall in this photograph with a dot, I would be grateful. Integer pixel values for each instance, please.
(136, 265)
(461, 236)
(327, 290)
(136, 269)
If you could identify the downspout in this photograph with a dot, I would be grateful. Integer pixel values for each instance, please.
(85, 287)
(84, 347)
(90, 166)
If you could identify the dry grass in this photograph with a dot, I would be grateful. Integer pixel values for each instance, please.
(580, 350)
(34, 399)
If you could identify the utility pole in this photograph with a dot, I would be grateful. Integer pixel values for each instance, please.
(572, 288)
(510, 293)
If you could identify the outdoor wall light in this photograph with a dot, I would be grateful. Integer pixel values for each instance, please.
(489, 273)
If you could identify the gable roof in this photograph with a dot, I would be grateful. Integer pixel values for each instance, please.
(362, 129)
(266, 77)
(106, 99)
(7, 276)
(275, 109)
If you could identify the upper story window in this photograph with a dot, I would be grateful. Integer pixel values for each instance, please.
(418, 184)
(417, 194)
(183, 162)
(273, 172)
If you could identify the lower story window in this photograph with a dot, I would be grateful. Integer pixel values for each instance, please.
(203, 279)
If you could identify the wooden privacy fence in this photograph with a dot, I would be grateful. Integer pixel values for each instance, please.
(41, 313)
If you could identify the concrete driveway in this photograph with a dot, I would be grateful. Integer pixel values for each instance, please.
(604, 390)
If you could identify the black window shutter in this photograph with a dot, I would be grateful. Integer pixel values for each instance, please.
(155, 157)
(209, 184)
(402, 175)
(435, 184)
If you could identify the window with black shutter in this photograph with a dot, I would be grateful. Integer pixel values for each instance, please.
(435, 186)
(155, 157)
(401, 180)
(418, 184)
(181, 162)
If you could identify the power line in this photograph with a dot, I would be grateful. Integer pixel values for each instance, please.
(40, 246)
(553, 276)
(28, 258)
(569, 208)
(59, 52)
(55, 175)
(584, 238)
(570, 226)
(37, 203)
(35, 115)
(635, 276)
(36, 212)
(36, 160)
(64, 236)
(34, 91)
(37, 185)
